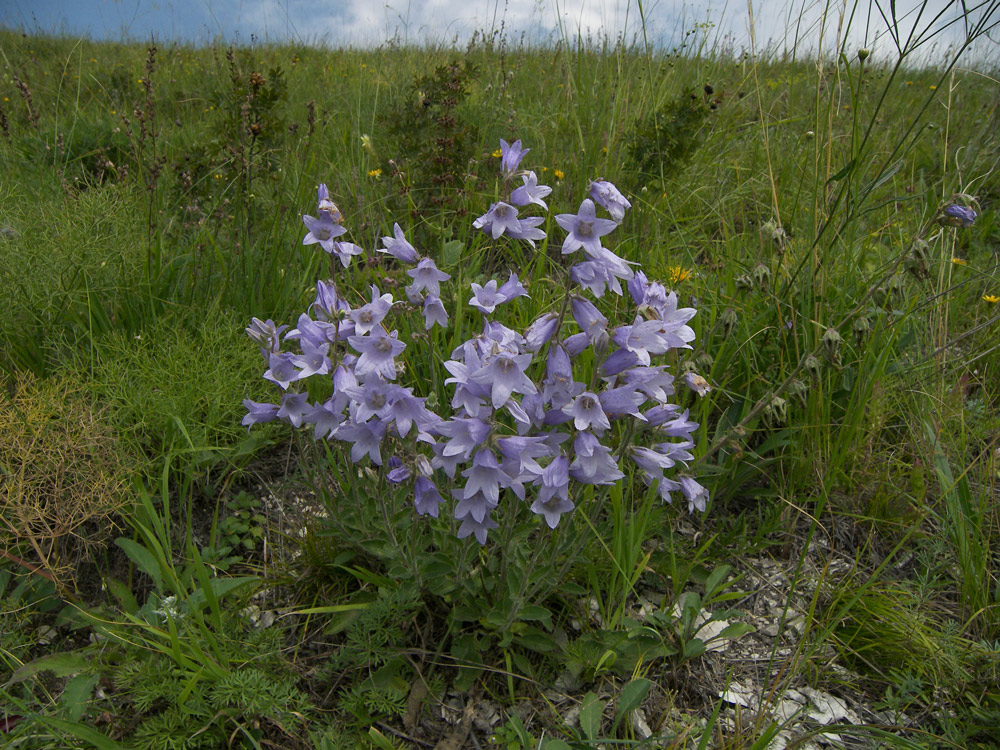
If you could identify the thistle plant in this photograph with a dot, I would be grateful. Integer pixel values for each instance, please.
(573, 400)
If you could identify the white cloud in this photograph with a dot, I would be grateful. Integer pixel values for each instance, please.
(777, 24)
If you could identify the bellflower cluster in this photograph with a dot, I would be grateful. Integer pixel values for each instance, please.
(574, 399)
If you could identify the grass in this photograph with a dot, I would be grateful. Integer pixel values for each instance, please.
(849, 437)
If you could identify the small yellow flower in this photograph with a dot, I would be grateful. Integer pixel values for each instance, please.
(960, 261)
(497, 154)
(933, 88)
(909, 83)
(93, 59)
(677, 274)
(558, 173)
(374, 172)
(6, 99)
(991, 298)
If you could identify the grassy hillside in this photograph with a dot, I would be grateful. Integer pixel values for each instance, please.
(267, 589)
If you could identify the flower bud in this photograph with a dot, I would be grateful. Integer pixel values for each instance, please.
(861, 327)
(761, 275)
(813, 365)
(956, 215)
(729, 321)
(704, 362)
(776, 412)
(798, 389)
(832, 341)
(809, 135)
(863, 54)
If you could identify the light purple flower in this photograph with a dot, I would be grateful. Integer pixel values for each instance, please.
(587, 413)
(365, 439)
(426, 277)
(559, 388)
(294, 407)
(464, 433)
(324, 205)
(398, 247)
(345, 251)
(378, 352)
(434, 312)
(608, 196)
(622, 402)
(593, 463)
(511, 155)
(373, 398)
(958, 216)
(585, 229)
(326, 417)
(512, 288)
(697, 496)
(322, 230)
(530, 192)
(502, 217)
(529, 231)
(406, 410)
(480, 528)
(553, 496)
(313, 359)
(426, 497)
(281, 370)
(589, 318)
(485, 298)
(369, 315)
(258, 413)
(485, 477)
(539, 332)
(266, 333)
(504, 374)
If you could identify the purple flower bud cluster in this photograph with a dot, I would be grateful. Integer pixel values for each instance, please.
(567, 401)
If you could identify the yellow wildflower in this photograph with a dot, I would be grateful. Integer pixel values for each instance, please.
(991, 298)
(960, 261)
(933, 88)
(374, 172)
(677, 274)
(497, 154)
(558, 173)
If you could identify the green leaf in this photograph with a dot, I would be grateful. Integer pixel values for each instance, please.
(332, 609)
(143, 559)
(843, 172)
(717, 577)
(451, 253)
(61, 664)
(218, 588)
(631, 697)
(556, 745)
(591, 711)
(534, 612)
(734, 630)
(81, 732)
(536, 640)
(379, 740)
(76, 695)
(694, 647)
(123, 595)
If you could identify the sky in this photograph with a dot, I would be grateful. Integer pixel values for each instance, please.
(776, 24)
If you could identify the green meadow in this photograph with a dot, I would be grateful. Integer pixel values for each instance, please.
(170, 578)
